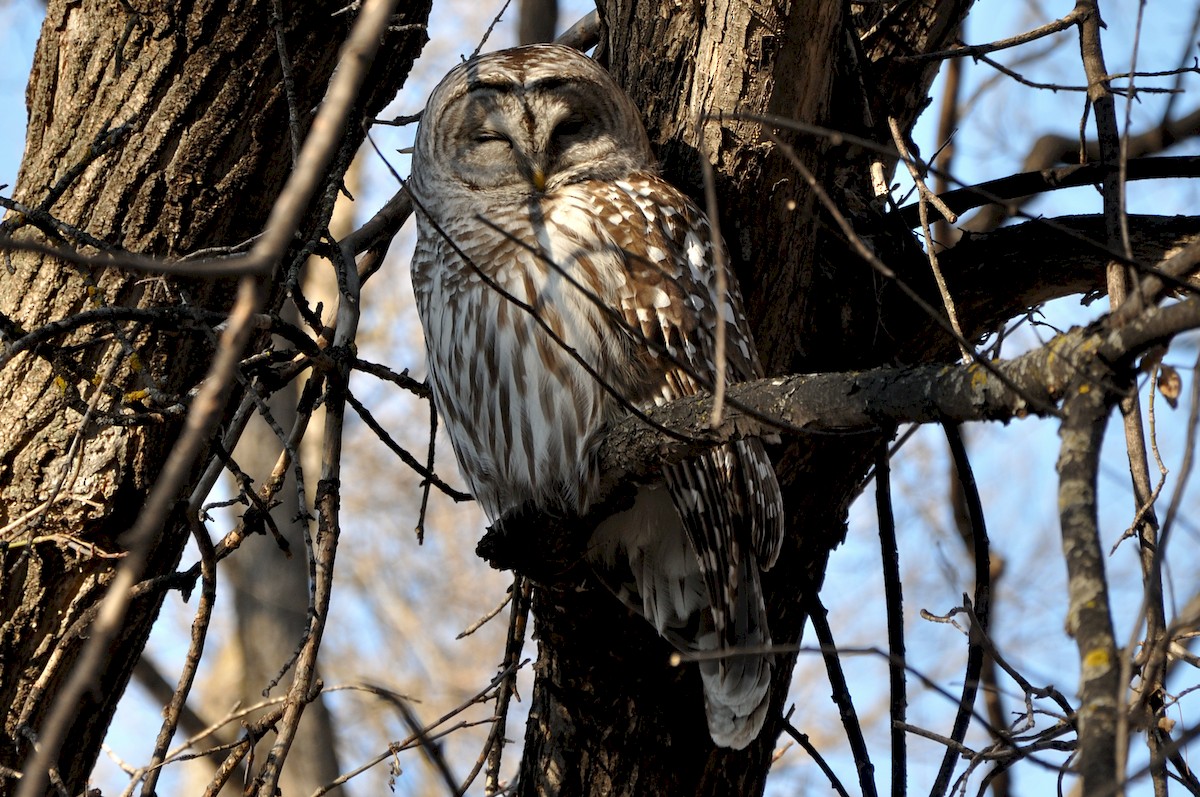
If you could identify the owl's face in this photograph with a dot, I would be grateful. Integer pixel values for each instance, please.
(526, 121)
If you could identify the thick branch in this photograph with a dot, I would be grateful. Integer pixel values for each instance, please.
(546, 548)
(996, 276)
(1009, 193)
(1051, 149)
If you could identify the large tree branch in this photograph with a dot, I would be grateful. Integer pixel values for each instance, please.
(996, 276)
(1089, 617)
(1051, 149)
(546, 548)
(1014, 190)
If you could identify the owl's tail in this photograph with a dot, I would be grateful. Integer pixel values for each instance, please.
(668, 589)
(737, 679)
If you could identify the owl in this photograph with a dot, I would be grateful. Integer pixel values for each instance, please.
(562, 285)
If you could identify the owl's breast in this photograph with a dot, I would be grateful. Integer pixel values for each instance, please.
(523, 358)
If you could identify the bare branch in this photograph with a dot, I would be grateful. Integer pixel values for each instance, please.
(1088, 617)
(1026, 184)
(848, 403)
(171, 714)
(978, 543)
(893, 596)
(1049, 29)
(841, 696)
(815, 755)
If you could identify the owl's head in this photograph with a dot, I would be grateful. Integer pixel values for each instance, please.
(526, 121)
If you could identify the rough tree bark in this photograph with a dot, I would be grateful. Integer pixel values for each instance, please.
(161, 133)
(606, 696)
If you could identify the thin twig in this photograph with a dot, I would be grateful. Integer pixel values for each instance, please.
(975, 50)
(1030, 691)
(244, 746)
(407, 458)
(239, 265)
(487, 33)
(401, 379)
(430, 731)
(917, 171)
(926, 198)
(970, 520)
(818, 616)
(803, 740)
(894, 599)
(522, 593)
(432, 751)
(1156, 649)
(183, 317)
(426, 484)
(975, 654)
(1187, 463)
(475, 626)
(208, 597)
(289, 82)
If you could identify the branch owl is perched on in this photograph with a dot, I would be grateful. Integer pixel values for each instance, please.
(534, 178)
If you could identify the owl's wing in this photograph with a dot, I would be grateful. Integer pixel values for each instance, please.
(728, 498)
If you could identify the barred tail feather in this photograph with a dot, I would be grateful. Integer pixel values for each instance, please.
(737, 684)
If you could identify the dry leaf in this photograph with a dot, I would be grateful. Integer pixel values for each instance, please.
(1169, 384)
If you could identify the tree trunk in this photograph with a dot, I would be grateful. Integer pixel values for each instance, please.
(606, 696)
(160, 133)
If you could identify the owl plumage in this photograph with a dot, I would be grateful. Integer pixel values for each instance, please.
(561, 282)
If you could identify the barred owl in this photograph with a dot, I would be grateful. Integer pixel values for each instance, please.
(560, 282)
